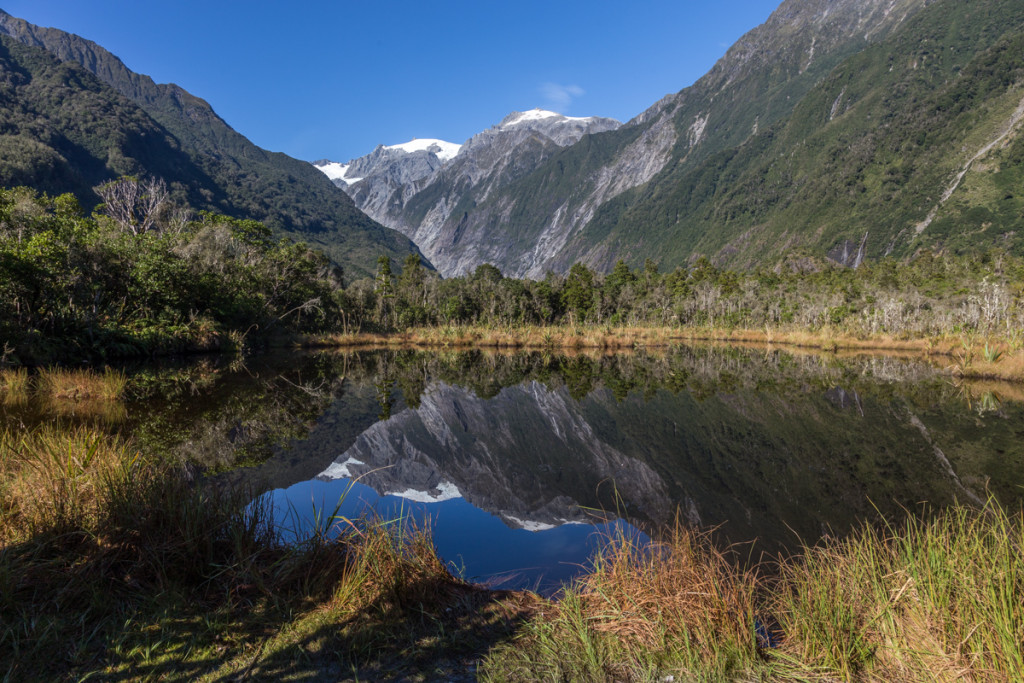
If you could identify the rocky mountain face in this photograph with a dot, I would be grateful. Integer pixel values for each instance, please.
(908, 139)
(426, 189)
(71, 148)
(755, 85)
(847, 128)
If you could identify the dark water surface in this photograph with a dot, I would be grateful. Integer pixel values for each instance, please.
(522, 465)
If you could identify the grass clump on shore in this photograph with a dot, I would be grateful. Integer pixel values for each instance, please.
(14, 386)
(64, 383)
(674, 608)
(931, 601)
(935, 600)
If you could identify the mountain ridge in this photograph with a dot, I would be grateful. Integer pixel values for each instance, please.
(227, 173)
(553, 207)
(417, 192)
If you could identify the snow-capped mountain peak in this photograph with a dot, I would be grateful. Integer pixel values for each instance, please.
(520, 117)
(443, 149)
(336, 171)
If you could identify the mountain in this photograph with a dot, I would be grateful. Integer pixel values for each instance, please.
(427, 188)
(774, 465)
(910, 143)
(75, 116)
(848, 128)
(565, 209)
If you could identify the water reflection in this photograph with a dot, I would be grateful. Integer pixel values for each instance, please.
(770, 447)
(516, 459)
(479, 546)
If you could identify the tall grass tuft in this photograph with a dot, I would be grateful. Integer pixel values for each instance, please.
(936, 600)
(81, 384)
(14, 386)
(51, 479)
(677, 608)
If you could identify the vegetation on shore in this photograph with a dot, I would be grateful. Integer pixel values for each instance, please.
(112, 563)
(144, 278)
(928, 601)
(141, 277)
(964, 356)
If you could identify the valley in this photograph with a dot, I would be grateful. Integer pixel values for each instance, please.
(728, 389)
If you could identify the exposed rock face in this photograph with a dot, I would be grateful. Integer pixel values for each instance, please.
(424, 190)
(387, 177)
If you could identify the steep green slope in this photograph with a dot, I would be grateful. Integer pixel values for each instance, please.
(61, 129)
(870, 150)
(213, 165)
(532, 224)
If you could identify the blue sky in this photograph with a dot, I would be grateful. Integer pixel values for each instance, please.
(332, 79)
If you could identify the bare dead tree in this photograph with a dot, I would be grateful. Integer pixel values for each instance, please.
(132, 204)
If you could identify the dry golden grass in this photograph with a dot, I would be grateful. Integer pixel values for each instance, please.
(52, 476)
(676, 608)
(527, 337)
(993, 358)
(681, 589)
(14, 386)
(81, 384)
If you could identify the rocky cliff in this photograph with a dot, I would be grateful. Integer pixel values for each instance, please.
(427, 189)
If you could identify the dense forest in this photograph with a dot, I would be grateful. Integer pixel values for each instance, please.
(143, 276)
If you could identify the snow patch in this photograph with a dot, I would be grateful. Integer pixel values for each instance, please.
(539, 115)
(336, 171)
(340, 470)
(445, 491)
(443, 149)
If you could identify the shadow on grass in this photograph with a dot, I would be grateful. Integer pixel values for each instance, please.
(431, 629)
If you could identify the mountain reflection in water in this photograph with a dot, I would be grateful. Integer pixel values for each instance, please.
(513, 459)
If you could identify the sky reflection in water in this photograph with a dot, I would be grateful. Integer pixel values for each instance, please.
(477, 545)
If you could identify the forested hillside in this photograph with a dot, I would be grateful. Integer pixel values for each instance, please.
(77, 117)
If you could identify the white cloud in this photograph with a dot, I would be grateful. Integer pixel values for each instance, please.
(559, 97)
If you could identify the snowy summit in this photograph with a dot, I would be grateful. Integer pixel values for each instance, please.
(443, 149)
(336, 171)
(519, 117)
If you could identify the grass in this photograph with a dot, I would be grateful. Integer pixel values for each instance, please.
(64, 383)
(14, 386)
(675, 608)
(936, 600)
(1000, 358)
